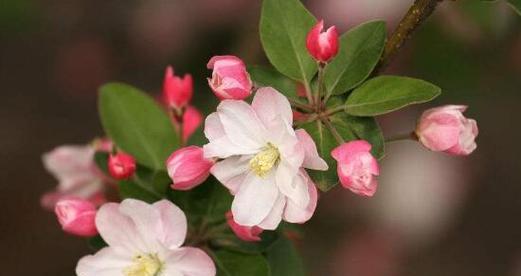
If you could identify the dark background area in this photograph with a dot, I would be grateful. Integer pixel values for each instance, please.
(432, 215)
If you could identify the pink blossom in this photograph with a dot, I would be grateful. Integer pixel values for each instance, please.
(445, 129)
(322, 46)
(144, 239)
(264, 160)
(245, 233)
(230, 80)
(177, 92)
(121, 165)
(192, 119)
(78, 176)
(76, 216)
(188, 168)
(357, 168)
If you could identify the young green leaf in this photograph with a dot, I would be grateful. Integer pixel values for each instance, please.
(236, 264)
(137, 124)
(101, 160)
(284, 260)
(385, 94)
(229, 241)
(360, 50)
(349, 128)
(284, 25)
(265, 76)
(138, 190)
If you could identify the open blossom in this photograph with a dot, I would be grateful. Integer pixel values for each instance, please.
(144, 239)
(192, 119)
(357, 168)
(121, 165)
(245, 233)
(445, 129)
(188, 168)
(263, 160)
(322, 46)
(177, 92)
(76, 216)
(230, 80)
(78, 176)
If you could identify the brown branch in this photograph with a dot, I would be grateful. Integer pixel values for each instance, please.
(418, 12)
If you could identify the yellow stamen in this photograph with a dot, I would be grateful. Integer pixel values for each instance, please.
(263, 161)
(144, 265)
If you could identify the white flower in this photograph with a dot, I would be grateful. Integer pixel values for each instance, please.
(144, 240)
(264, 160)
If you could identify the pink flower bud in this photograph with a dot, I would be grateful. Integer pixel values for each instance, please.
(192, 119)
(177, 92)
(188, 168)
(357, 168)
(445, 129)
(121, 165)
(322, 45)
(245, 233)
(230, 80)
(76, 216)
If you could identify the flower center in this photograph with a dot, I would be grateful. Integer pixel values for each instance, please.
(144, 265)
(263, 161)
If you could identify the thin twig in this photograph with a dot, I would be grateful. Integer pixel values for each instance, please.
(302, 106)
(418, 12)
(402, 137)
(333, 130)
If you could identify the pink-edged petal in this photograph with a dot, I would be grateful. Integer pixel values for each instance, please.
(271, 106)
(272, 221)
(241, 124)
(344, 151)
(189, 261)
(255, 199)
(117, 230)
(439, 137)
(106, 262)
(311, 158)
(147, 221)
(295, 214)
(174, 224)
(231, 172)
(294, 188)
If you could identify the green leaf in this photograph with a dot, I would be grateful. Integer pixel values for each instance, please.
(96, 242)
(137, 124)
(138, 190)
(237, 264)
(385, 94)
(265, 76)
(360, 50)
(228, 240)
(284, 25)
(349, 128)
(101, 159)
(284, 260)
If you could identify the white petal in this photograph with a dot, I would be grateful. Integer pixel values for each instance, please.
(118, 230)
(296, 189)
(189, 261)
(254, 200)
(241, 124)
(106, 262)
(294, 213)
(220, 145)
(231, 172)
(147, 221)
(272, 221)
(311, 158)
(271, 106)
(174, 223)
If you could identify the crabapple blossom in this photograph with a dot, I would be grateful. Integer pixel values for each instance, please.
(445, 129)
(322, 46)
(144, 239)
(263, 160)
(192, 119)
(74, 168)
(177, 92)
(188, 168)
(230, 80)
(245, 233)
(76, 216)
(357, 168)
(121, 165)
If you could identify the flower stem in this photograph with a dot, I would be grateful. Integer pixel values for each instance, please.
(321, 83)
(302, 106)
(402, 137)
(415, 16)
(333, 130)
(334, 110)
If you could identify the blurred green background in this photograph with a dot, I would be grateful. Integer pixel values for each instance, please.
(432, 215)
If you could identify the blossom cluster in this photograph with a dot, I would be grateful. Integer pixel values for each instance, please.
(258, 150)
